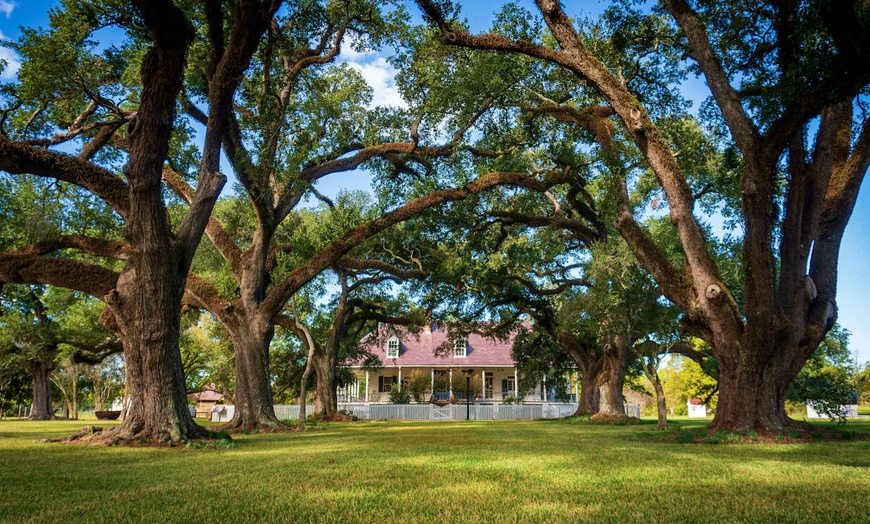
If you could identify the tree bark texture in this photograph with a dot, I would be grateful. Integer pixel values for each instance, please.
(661, 401)
(325, 367)
(40, 371)
(254, 407)
(613, 376)
(589, 363)
(303, 386)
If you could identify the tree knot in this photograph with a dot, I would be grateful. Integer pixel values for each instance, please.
(810, 288)
(636, 120)
(713, 291)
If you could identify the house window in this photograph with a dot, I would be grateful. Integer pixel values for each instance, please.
(508, 387)
(459, 346)
(385, 383)
(393, 348)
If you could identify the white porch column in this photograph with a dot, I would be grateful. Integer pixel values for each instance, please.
(367, 386)
(432, 384)
(516, 384)
(483, 383)
(544, 388)
(400, 377)
(451, 382)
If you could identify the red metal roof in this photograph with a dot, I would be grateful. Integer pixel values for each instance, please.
(418, 350)
(208, 395)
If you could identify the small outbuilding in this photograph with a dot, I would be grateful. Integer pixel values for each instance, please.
(843, 410)
(697, 408)
(205, 402)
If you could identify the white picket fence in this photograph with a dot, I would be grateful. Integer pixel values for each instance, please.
(373, 411)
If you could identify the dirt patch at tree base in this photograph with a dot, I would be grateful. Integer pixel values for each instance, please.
(341, 417)
(261, 428)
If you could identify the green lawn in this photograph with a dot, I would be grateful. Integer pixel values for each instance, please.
(409, 472)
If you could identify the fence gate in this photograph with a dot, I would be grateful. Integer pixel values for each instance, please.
(441, 413)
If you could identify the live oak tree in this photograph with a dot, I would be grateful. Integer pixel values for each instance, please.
(38, 319)
(206, 354)
(29, 336)
(368, 300)
(118, 106)
(40, 327)
(299, 120)
(785, 80)
(552, 124)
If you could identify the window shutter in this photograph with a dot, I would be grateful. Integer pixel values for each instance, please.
(381, 384)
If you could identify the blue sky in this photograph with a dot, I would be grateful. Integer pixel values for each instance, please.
(854, 274)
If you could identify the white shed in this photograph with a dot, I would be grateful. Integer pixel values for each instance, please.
(847, 410)
(697, 408)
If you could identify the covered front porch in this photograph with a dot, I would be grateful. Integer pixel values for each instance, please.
(449, 384)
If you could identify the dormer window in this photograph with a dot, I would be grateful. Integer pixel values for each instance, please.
(459, 346)
(393, 348)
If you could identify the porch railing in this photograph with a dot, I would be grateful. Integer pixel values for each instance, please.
(477, 411)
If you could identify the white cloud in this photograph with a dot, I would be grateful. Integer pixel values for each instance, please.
(7, 7)
(380, 76)
(13, 64)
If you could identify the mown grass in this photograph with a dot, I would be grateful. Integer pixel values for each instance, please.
(412, 472)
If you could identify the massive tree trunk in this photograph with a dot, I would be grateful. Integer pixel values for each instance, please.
(613, 371)
(752, 393)
(588, 362)
(252, 332)
(325, 367)
(254, 406)
(147, 307)
(147, 299)
(326, 359)
(590, 395)
(40, 370)
(157, 409)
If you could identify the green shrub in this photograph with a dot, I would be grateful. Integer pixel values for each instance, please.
(399, 395)
(419, 384)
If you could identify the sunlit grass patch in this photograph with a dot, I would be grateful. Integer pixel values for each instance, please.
(542, 471)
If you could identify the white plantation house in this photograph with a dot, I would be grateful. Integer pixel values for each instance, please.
(404, 355)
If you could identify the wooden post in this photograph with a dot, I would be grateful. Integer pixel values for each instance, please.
(516, 384)
(451, 384)
(367, 386)
(432, 385)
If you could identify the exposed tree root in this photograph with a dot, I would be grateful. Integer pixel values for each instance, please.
(259, 426)
(43, 417)
(768, 428)
(340, 417)
(124, 435)
(581, 412)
